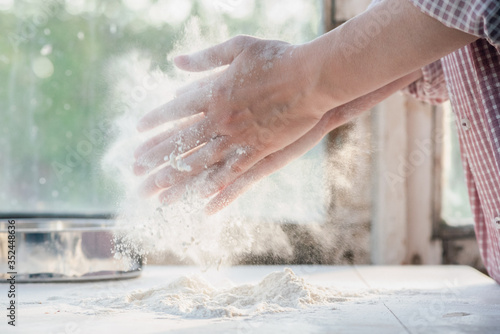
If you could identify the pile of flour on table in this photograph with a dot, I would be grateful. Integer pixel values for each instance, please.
(193, 297)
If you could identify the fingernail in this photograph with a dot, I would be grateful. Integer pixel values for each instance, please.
(163, 180)
(182, 60)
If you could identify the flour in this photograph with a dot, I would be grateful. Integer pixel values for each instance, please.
(180, 229)
(193, 297)
(177, 163)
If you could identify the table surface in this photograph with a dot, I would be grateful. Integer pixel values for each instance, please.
(412, 299)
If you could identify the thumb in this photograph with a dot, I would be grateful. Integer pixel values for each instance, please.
(215, 56)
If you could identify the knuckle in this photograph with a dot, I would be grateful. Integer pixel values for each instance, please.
(242, 162)
(236, 168)
(227, 122)
(221, 91)
(216, 182)
(240, 41)
(237, 123)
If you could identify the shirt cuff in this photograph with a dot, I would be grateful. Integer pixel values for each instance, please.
(431, 87)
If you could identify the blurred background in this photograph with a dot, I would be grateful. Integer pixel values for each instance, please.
(385, 189)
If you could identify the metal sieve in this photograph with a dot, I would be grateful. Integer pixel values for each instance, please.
(65, 250)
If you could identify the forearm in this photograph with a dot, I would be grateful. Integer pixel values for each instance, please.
(377, 47)
(346, 112)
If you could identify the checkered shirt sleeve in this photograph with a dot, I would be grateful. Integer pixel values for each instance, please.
(431, 87)
(476, 17)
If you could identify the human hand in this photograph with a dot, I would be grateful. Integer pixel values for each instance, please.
(263, 101)
(331, 120)
(273, 93)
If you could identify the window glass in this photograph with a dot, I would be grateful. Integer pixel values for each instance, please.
(455, 200)
(56, 61)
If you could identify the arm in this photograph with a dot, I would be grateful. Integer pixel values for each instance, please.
(273, 93)
(475, 17)
(331, 120)
(391, 39)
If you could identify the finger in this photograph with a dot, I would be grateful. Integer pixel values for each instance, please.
(172, 194)
(211, 153)
(198, 84)
(233, 167)
(229, 194)
(241, 184)
(169, 149)
(206, 183)
(188, 104)
(151, 186)
(215, 56)
(148, 188)
(175, 192)
(152, 142)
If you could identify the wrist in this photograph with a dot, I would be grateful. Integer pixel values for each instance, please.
(314, 76)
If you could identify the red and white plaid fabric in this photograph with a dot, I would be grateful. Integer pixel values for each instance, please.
(470, 79)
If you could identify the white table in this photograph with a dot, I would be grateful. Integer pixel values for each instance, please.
(412, 299)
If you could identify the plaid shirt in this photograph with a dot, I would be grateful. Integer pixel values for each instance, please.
(470, 79)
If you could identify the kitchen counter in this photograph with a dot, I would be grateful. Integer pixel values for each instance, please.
(403, 299)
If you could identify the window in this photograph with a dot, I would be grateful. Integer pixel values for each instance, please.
(455, 205)
(455, 224)
(64, 64)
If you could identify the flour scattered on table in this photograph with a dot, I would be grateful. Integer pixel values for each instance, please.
(193, 297)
